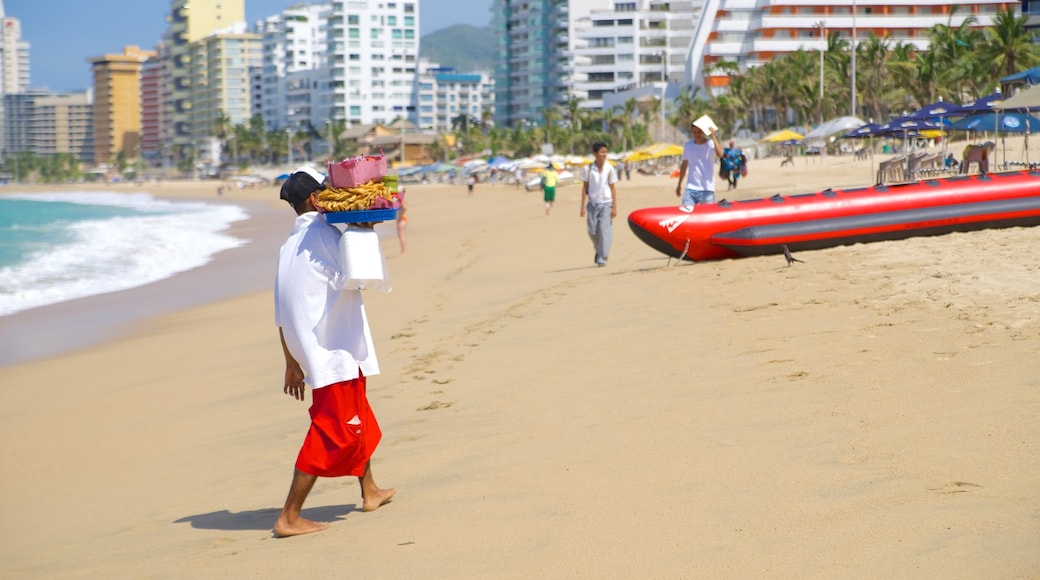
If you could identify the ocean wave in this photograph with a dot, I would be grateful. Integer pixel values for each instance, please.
(154, 241)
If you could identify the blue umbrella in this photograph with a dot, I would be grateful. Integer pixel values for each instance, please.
(999, 123)
(937, 110)
(906, 125)
(983, 105)
(868, 130)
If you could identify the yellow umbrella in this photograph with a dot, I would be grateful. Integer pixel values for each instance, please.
(780, 136)
(655, 151)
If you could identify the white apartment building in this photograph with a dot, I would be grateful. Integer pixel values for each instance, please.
(14, 65)
(373, 54)
(753, 32)
(632, 44)
(441, 95)
(294, 64)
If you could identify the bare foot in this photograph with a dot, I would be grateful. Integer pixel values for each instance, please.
(284, 529)
(376, 500)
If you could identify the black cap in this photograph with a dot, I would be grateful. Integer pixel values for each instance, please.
(301, 184)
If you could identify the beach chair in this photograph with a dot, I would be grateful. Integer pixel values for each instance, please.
(892, 171)
(979, 155)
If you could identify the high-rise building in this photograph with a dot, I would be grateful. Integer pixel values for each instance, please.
(14, 55)
(373, 51)
(220, 65)
(753, 32)
(14, 63)
(46, 124)
(117, 103)
(442, 95)
(632, 44)
(533, 66)
(189, 21)
(294, 64)
(151, 109)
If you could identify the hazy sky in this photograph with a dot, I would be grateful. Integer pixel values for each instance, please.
(63, 34)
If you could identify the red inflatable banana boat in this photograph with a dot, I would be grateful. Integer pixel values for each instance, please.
(809, 221)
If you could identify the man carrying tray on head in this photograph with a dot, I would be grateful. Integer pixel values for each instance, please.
(327, 345)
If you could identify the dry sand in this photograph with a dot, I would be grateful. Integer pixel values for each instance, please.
(873, 412)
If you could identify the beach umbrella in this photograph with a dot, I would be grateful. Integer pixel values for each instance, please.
(1008, 122)
(782, 135)
(936, 110)
(868, 130)
(984, 105)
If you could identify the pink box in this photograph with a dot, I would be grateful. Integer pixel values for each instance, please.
(356, 171)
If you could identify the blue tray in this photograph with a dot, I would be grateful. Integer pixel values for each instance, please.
(361, 216)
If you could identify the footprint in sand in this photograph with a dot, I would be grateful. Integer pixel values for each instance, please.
(957, 487)
(435, 405)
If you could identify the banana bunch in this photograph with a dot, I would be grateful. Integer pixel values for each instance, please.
(361, 197)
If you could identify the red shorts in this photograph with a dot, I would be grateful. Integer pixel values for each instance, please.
(343, 434)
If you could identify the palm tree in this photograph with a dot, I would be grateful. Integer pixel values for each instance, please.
(1011, 46)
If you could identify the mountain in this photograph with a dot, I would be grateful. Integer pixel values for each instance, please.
(463, 47)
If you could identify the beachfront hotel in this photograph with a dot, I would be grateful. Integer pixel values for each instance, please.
(750, 33)
(117, 103)
(633, 44)
(533, 65)
(293, 61)
(14, 65)
(188, 22)
(443, 94)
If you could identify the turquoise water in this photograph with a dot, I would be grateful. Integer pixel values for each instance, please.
(57, 247)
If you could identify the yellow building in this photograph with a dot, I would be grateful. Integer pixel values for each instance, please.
(117, 103)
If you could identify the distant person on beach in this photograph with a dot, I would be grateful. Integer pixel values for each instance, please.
(732, 163)
(599, 202)
(549, 180)
(402, 222)
(470, 182)
(327, 346)
(698, 159)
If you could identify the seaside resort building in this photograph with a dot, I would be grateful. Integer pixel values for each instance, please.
(753, 32)
(441, 95)
(533, 61)
(188, 22)
(117, 103)
(651, 50)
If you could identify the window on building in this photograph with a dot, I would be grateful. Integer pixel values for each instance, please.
(353, 33)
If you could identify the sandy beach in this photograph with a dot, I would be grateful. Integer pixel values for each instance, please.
(873, 412)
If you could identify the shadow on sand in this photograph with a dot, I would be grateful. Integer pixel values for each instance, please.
(262, 519)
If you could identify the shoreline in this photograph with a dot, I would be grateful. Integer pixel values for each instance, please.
(93, 320)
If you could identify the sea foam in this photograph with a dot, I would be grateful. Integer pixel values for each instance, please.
(154, 240)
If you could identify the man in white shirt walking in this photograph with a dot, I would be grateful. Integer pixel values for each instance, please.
(599, 202)
(328, 347)
(699, 155)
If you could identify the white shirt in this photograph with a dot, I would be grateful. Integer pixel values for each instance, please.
(599, 181)
(325, 326)
(700, 165)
